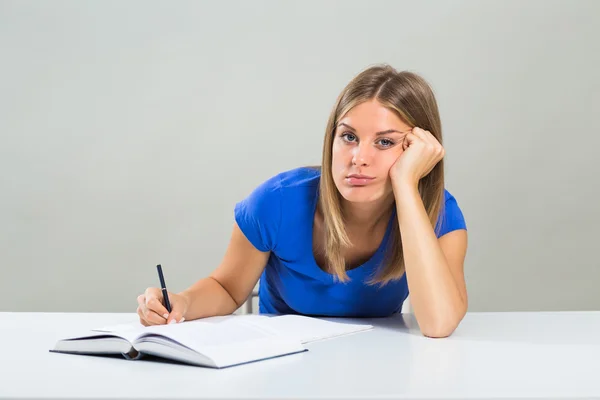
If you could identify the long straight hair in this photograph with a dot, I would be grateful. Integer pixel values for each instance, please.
(412, 99)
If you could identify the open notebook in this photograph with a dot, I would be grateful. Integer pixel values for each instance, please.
(215, 342)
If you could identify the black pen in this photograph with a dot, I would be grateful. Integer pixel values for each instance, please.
(163, 287)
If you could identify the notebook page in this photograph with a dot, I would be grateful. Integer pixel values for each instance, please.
(309, 329)
(201, 333)
(120, 327)
(252, 350)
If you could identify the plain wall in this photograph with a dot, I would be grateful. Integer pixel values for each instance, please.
(130, 129)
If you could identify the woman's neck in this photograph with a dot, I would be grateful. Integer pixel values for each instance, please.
(367, 217)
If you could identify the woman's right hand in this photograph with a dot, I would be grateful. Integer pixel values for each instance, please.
(152, 311)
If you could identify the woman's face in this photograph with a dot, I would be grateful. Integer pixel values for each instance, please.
(367, 142)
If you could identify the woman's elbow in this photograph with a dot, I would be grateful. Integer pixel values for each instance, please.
(442, 328)
(438, 332)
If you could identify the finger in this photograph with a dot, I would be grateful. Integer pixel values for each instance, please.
(155, 306)
(431, 141)
(154, 301)
(141, 299)
(141, 315)
(423, 135)
(428, 137)
(142, 320)
(409, 139)
(153, 292)
(175, 319)
(150, 316)
(176, 314)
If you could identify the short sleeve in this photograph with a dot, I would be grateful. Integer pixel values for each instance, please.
(259, 214)
(451, 217)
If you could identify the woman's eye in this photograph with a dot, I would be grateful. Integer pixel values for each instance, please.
(386, 142)
(349, 137)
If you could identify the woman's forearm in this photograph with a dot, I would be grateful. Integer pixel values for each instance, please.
(207, 298)
(435, 296)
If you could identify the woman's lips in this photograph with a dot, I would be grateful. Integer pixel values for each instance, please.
(359, 180)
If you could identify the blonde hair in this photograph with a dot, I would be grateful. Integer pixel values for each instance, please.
(412, 99)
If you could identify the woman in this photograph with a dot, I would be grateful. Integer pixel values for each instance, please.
(353, 237)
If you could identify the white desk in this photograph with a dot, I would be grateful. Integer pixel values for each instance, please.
(490, 355)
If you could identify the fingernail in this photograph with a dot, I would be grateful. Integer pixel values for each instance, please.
(165, 316)
(182, 319)
(172, 321)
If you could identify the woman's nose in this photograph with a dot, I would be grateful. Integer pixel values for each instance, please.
(361, 155)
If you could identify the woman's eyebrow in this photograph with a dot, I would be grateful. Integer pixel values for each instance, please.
(378, 133)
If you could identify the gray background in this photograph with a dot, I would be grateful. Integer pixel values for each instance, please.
(130, 129)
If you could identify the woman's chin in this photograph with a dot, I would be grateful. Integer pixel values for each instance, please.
(360, 194)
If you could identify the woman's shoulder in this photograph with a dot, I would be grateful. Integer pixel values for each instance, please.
(450, 200)
(288, 180)
(275, 202)
(451, 215)
(298, 177)
(448, 196)
(290, 184)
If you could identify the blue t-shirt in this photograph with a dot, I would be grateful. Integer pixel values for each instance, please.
(278, 216)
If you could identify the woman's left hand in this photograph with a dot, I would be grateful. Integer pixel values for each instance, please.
(422, 152)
